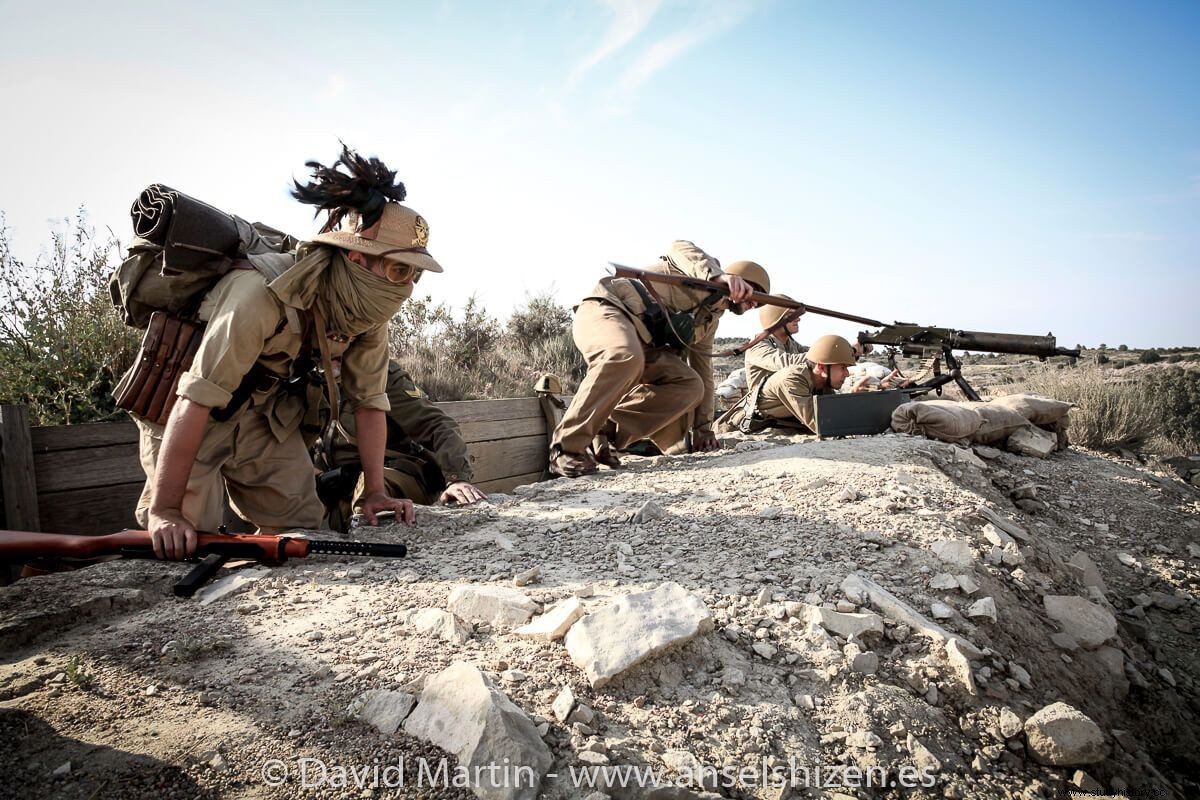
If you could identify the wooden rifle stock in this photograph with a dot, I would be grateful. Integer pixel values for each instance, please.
(26, 545)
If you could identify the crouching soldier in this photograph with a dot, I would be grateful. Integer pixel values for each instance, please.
(425, 456)
(643, 382)
(783, 376)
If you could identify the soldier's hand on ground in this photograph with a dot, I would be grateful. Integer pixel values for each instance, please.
(705, 442)
(461, 493)
(375, 502)
(171, 535)
(739, 290)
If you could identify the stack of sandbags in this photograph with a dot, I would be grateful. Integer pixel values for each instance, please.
(874, 372)
(1023, 423)
(733, 388)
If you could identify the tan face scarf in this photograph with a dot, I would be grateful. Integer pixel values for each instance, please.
(351, 298)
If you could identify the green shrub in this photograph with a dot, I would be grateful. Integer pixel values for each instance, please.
(1149, 357)
(62, 346)
(1176, 397)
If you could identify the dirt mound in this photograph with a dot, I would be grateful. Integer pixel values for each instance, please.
(851, 634)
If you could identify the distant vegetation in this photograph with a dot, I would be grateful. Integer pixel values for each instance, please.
(63, 348)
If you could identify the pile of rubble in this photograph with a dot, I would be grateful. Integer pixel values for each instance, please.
(793, 618)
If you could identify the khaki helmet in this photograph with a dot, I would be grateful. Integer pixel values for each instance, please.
(751, 272)
(831, 349)
(548, 383)
(769, 315)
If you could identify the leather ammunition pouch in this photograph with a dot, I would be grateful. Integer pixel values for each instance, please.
(167, 351)
(673, 329)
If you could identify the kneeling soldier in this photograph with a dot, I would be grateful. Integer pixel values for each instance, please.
(638, 385)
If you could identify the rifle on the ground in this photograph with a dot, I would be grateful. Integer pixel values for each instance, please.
(212, 550)
(936, 344)
(762, 298)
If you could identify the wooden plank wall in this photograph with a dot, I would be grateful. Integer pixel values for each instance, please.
(88, 477)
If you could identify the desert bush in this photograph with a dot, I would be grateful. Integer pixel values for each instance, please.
(1158, 411)
(469, 356)
(62, 346)
(1149, 357)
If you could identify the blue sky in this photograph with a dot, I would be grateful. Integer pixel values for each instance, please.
(1012, 166)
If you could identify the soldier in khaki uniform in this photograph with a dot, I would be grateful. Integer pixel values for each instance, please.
(234, 428)
(783, 376)
(637, 388)
(425, 459)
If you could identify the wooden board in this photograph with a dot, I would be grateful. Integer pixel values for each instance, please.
(502, 429)
(18, 483)
(105, 509)
(87, 468)
(504, 458)
(488, 410)
(74, 437)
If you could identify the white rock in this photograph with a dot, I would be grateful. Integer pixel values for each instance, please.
(1063, 736)
(563, 704)
(228, 585)
(498, 606)
(924, 759)
(940, 610)
(1010, 723)
(1086, 571)
(995, 535)
(554, 624)
(609, 642)
(845, 625)
(765, 649)
(462, 713)
(967, 584)
(862, 589)
(1088, 624)
(960, 662)
(847, 495)
(649, 511)
(382, 708)
(1008, 526)
(439, 623)
(955, 552)
(1033, 442)
(943, 581)
(62, 769)
(531, 575)
(984, 607)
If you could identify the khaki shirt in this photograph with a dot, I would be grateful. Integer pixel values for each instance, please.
(687, 259)
(413, 416)
(768, 357)
(248, 325)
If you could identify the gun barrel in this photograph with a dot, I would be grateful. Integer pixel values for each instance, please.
(1042, 346)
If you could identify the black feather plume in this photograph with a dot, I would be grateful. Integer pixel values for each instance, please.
(352, 183)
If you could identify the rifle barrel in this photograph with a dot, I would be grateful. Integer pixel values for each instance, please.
(762, 298)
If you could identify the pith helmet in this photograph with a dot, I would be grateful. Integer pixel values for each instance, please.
(402, 236)
(769, 315)
(752, 272)
(548, 383)
(831, 349)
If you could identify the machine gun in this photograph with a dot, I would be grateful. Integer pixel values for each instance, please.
(213, 550)
(935, 345)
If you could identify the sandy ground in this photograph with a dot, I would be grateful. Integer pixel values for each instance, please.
(147, 695)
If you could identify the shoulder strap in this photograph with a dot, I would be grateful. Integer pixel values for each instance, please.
(331, 390)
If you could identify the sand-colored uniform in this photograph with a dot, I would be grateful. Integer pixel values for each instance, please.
(414, 419)
(258, 455)
(780, 381)
(649, 392)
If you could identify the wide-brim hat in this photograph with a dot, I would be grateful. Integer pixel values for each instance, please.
(402, 236)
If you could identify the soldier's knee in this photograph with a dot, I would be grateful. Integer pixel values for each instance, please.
(694, 387)
(623, 361)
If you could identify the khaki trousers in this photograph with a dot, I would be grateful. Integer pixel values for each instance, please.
(270, 483)
(643, 391)
(788, 393)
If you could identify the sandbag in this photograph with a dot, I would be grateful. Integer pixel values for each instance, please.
(1035, 408)
(999, 422)
(945, 420)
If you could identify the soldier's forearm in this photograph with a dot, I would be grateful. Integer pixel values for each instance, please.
(371, 426)
(181, 442)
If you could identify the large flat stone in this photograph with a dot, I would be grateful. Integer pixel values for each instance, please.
(1090, 625)
(499, 606)
(607, 643)
(846, 625)
(955, 552)
(383, 709)
(461, 712)
(439, 623)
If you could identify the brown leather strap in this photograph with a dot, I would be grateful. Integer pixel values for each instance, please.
(331, 390)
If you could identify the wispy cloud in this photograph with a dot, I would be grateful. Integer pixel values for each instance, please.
(629, 18)
(708, 21)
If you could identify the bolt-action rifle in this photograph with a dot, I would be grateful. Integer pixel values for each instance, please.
(936, 345)
(212, 550)
(762, 298)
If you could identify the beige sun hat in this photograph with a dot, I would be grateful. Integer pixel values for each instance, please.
(402, 236)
